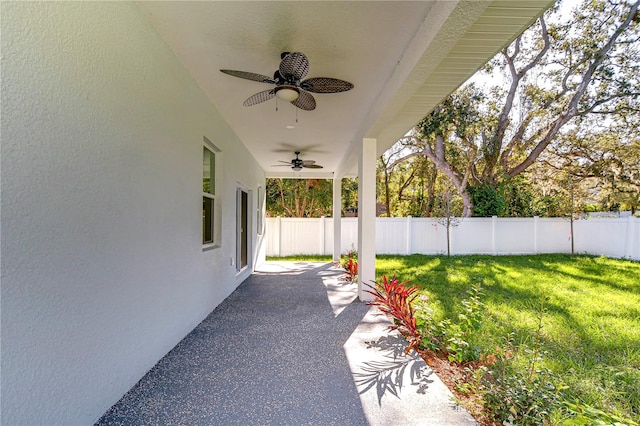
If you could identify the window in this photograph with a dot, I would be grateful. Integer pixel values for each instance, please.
(209, 204)
(260, 211)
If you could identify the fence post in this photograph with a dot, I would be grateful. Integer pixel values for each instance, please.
(628, 249)
(450, 239)
(494, 221)
(278, 236)
(408, 249)
(322, 236)
(535, 234)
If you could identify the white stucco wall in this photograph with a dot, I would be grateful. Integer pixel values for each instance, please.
(102, 264)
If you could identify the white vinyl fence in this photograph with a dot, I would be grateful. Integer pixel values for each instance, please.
(612, 237)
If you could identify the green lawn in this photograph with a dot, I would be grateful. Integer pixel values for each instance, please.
(591, 330)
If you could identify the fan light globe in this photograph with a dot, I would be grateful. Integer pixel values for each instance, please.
(288, 94)
(297, 168)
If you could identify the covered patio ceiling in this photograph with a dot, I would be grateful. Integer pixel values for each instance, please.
(403, 58)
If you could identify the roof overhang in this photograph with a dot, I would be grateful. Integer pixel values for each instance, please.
(403, 58)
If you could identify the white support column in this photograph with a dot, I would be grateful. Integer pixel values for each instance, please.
(366, 216)
(337, 217)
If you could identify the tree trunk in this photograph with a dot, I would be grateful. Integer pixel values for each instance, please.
(387, 195)
(460, 182)
(431, 192)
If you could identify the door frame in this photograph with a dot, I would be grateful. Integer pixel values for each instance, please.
(243, 231)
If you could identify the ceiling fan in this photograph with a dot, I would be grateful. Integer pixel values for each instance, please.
(297, 164)
(290, 87)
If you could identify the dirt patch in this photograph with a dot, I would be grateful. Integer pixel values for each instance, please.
(458, 377)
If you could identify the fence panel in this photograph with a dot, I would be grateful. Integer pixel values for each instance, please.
(349, 234)
(428, 237)
(614, 237)
(391, 235)
(515, 236)
(299, 236)
(607, 238)
(553, 235)
(472, 235)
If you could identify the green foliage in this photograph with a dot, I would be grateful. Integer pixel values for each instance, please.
(299, 197)
(307, 197)
(517, 399)
(550, 206)
(349, 194)
(455, 339)
(578, 413)
(413, 186)
(461, 336)
(457, 113)
(512, 197)
(351, 254)
(432, 332)
(487, 200)
(521, 397)
(518, 196)
(415, 320)
(565, 99)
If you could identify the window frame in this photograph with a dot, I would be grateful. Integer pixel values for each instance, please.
(213, 194)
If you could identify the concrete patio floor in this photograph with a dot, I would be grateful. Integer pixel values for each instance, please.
(291, 346)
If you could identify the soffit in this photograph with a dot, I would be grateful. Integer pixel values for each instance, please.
(403, 57)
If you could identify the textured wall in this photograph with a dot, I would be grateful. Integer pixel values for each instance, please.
(102, 265)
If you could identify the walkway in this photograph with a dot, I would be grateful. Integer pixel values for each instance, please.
(289, 347)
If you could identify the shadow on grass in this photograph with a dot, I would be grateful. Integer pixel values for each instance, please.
(591, 302)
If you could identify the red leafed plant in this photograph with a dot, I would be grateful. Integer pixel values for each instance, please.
(352, 269)
(395, 298)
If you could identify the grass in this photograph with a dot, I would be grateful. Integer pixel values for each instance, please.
(591, 328)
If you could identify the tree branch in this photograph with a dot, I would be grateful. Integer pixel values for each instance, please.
(516, 77)
(572, 107)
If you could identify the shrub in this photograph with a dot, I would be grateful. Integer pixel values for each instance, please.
(455, 339)
(351, 254)
(352, 270)
(519, 397)
(395, 299)
(350, 264)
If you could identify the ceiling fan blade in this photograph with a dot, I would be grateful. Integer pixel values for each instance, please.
(294, 66)
(305, 101)
(305, 162)
(281, 165)
(259, 97)
(312, 166)
(285, 162)
(249, 76)
(326, 85)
